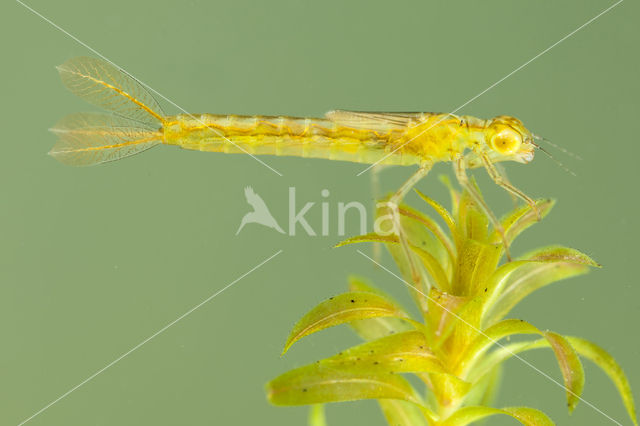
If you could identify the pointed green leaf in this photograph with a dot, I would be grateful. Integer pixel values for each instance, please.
(583, 347)
(488, 338)
(495, 285)
(562, 254)
(432, 265)
(425, 235)
(501, 354)
(360, 284)
(419, 229)
(453, 193)
(522, 218)
(406, 352)
(513, 281)
(371, 237)
(340, 309)
(398, 412)
(527, 416)
(568, 360)
(440, 247)
(570, 366)
(317, 416)
(435, 228)
(418, 292)
(374, 328)
(318, 383)
(609, 365)
(444, 214)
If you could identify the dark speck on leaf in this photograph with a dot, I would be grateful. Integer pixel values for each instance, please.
(304, 389)
(331, 298)
(485, 289)
(353, 301)
(375, 363)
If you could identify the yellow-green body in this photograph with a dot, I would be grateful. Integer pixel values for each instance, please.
(363, 137)
(427, 137)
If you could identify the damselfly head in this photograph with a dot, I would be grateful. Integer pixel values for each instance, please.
(509, 139)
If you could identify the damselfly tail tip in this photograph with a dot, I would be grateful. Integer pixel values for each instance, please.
(56, 153)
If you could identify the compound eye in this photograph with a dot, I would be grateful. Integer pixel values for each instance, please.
(506, 142)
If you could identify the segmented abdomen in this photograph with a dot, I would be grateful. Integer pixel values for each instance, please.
(284, 136)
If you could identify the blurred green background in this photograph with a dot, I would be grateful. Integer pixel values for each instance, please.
(95, 260)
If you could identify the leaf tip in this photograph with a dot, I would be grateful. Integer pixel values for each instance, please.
(286, 347)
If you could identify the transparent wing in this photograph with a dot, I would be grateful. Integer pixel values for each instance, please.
(108, 87)
(91, 138)
(370, 120)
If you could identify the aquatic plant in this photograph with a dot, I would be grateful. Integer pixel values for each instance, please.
(456, 348)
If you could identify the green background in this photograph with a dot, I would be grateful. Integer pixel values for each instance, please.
(95, 260)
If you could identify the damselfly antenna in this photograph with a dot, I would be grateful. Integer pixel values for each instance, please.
(556, 146)
(565, 168)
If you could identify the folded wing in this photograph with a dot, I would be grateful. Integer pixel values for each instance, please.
(91, 138)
